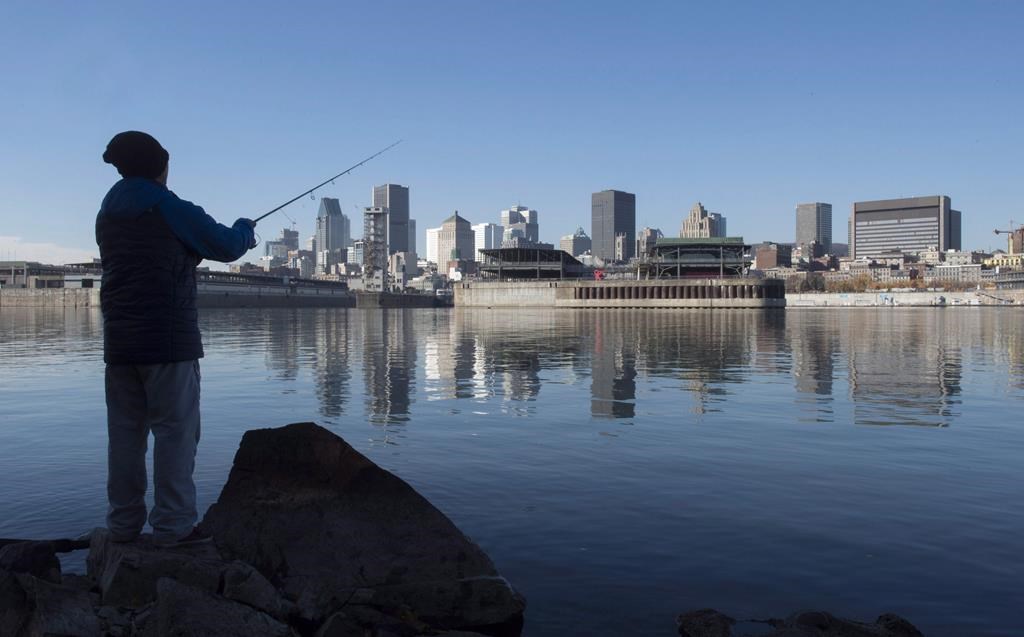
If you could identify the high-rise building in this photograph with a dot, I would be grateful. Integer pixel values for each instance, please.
(375, 245)
(908, 225)
(357, 253)
(522, 219)
(575, 244)
(333, 235)
(647, 238)
(486, 236)
(814, 224)
(396, 199)
(456, 240)
(412, 236)
(276, 251)
(612, 213)
(432, 234)
(701, 224)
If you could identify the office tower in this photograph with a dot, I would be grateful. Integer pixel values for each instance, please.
(575, 244)
(275, 251)
(432, 234)
(412, 236)
(486, 237)
(647, 239)
(333, 234)
(455, 240)
(524, 220)
(375, 243)
(395, 199)
(612, 213)
(701, 224)
(357, 253)
(814, 224)
(889, 226)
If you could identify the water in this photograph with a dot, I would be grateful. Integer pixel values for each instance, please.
(620, 467)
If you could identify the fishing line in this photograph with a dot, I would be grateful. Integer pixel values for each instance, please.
(325, 182)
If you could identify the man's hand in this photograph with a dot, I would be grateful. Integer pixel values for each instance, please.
(252, 228)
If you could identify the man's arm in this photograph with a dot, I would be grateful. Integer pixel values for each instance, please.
(203, 235)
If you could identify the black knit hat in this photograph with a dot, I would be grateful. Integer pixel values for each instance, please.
(136, 154)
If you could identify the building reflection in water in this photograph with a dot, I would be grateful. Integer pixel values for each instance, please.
(905, 366)
(331, 361)
(885, 366)
(613, 364)
(389, 363)
(814, 340)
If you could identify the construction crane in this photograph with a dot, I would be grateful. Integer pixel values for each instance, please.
(1014, 233)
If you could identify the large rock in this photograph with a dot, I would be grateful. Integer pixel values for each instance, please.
(35, 558)
(711, 623)
(127, 573)
(243, 583)
(327, 525)
(33, 607)
(822, 624)
(186, 611)
(706, 622)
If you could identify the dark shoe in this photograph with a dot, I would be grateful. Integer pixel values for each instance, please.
(194, 537)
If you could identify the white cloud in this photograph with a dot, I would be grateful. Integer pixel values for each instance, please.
(17, 248)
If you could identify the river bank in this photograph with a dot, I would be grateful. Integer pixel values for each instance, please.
(905, 299)
(87, 298)
(212, 296)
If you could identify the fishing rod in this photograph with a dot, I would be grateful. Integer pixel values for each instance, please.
(327, 181)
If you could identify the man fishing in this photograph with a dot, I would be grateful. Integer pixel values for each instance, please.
(150, 244)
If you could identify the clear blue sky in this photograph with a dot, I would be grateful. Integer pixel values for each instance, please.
(748, 107)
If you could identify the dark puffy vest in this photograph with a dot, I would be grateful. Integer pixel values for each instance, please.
(148, 293)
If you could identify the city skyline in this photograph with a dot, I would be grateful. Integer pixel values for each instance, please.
(785, 128)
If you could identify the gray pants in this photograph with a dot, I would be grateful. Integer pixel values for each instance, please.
(163, 399)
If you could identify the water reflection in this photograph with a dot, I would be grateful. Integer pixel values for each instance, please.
(905, 367)
(896, 367)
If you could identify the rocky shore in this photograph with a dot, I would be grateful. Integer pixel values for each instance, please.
(312, 539)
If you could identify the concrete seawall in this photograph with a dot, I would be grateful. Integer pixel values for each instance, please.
(229, 297)
(53, 297)
(660, 293)
(906, 299)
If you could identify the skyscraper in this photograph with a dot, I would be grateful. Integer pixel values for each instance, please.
(647, 238)
(701, 224)
(486, 236)
(412, 236)
(432, 234)
(333, 234)
(612, 212)
(814, 224)
(575, 244)
(522, 221)
(395, 199)
(375, 249)
(903, 225)
(456, 240)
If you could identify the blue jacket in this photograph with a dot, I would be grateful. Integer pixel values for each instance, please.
(150, 244)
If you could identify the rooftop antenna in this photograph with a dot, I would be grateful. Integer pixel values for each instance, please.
(326, 181)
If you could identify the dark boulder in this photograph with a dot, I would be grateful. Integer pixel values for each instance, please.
(186, 611)
(31, 607)
(34, 558)
(706, 622)
(327, 526)
(127, 573)
(711, 623)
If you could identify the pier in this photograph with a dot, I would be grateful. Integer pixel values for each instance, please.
(738, 292)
